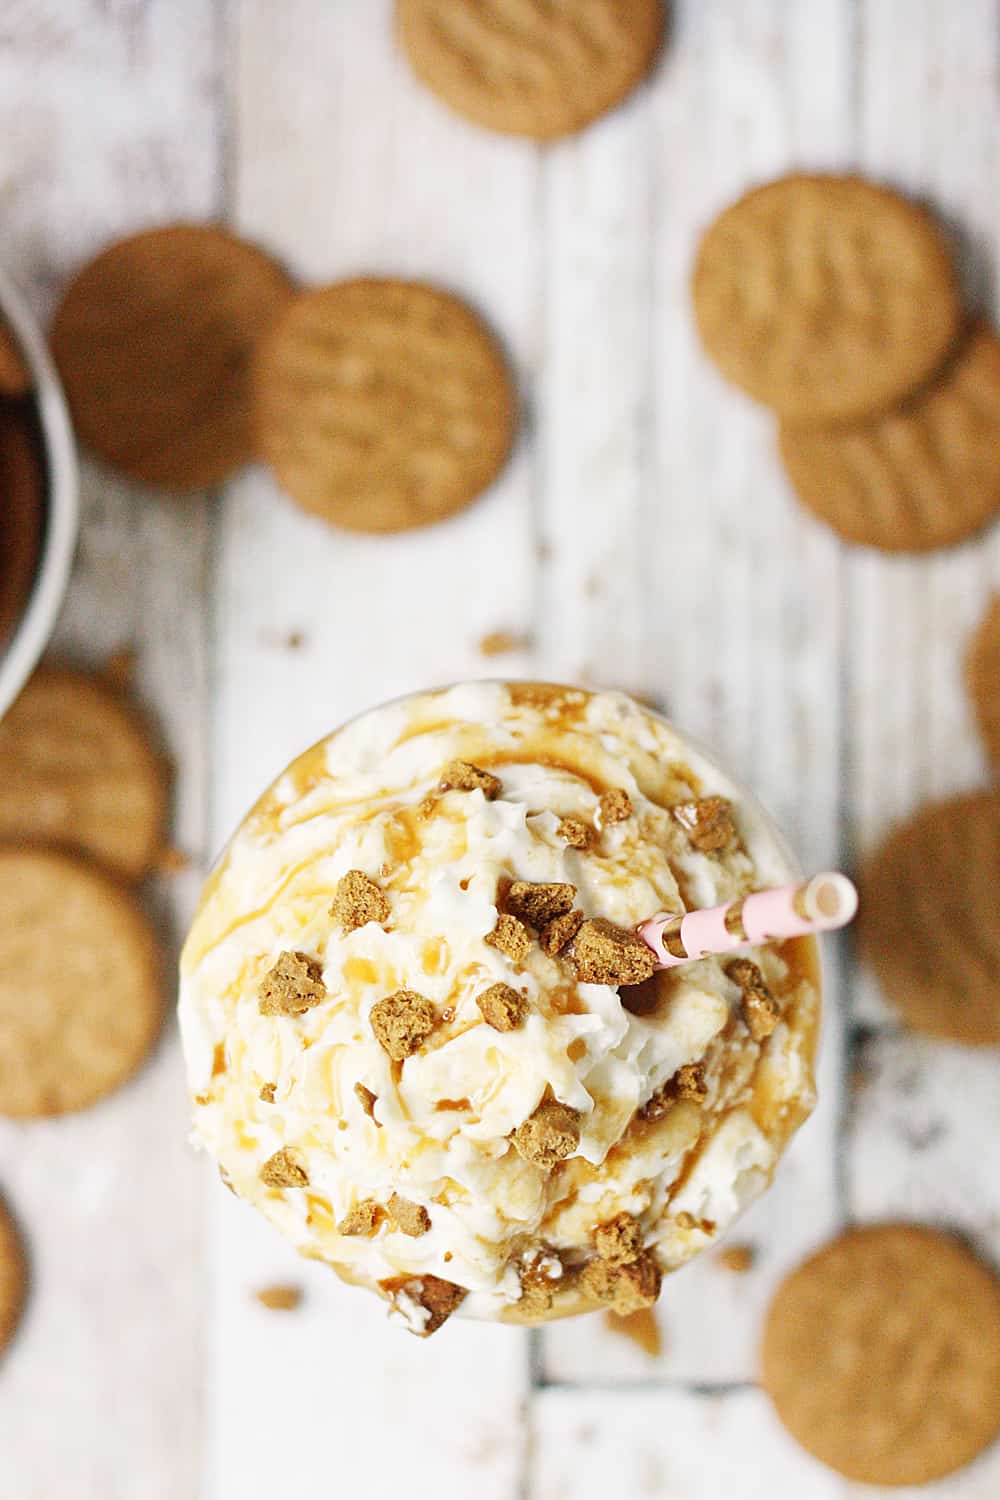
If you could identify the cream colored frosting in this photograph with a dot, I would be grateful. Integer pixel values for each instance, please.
(366, 799)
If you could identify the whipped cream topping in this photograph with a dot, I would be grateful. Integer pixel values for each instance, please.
(439, 1131)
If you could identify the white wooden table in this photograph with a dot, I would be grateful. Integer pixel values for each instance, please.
(645, 537)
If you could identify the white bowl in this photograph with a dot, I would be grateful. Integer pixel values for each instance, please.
(62, 502)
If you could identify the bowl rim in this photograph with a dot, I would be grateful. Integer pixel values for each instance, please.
(62, 520)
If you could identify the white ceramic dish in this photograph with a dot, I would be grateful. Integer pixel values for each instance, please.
(62, 503)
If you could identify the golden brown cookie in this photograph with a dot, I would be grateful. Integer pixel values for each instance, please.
(826, 298)
(80, 993)
(531, 67)
(153, 342)
(925, 474)
(77, 769)
(929, 918)
(982, 676)
(882, 1354)
(13, 1277)
(383, 405)
(22, 501)
(15, 376)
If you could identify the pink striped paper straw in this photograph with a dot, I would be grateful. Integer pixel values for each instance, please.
(821, 904)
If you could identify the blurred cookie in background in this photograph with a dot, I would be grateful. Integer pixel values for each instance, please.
(537, 68)
(22, 509)
(15, 377)
(13, 1276)
(982, 676)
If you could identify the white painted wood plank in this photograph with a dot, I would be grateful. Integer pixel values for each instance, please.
(930, 123)
(110, 1200)
(345, 165)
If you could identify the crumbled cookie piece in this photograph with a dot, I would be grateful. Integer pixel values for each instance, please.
(293, 986)
(687, 1083)
(576, 833)
(759, 1007)
(615, 806)
(438, 1298)
(367, 1100)
(619, 1240)
(707, 821)
(502, 1007)
(606, 954)
(283, 1169)
(538, 901)
(536, 1297)
(560, 932)
(462, 776)
(362, 1218)
(358, 900)
(549, 1135)
(511, 937)
(402, 1022)
(625, 1287)
(737, 1258)
(280, 1298)
(409, 1218)
(267, 1093)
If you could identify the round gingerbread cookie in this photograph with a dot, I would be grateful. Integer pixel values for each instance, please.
(531, 67)
(382, 404)
(982, 675)
(929, 918)
(925, 474)
(13, 1277)
(77, 769)
(882, 1354)
(15, 376)
(153, 340)
(80, 983)
(22, 502)
(827, 298)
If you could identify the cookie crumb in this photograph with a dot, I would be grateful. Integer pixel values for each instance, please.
(707, 821)
(280, 1298)
(537, 902)
(576, 833)
(511, 937)
(267, 1093)
(503, 643)
(549, 1135)
(606, 954)
(560, 932)
(462, 776)
(409, 1218)
(293, 986)
(402, 1023)
(615, 806)
(619, 1240)
(626, 1287)
(362, 1219)
(502, 1007)
(359, 900)
(687, 1083)
(368, 1101)
(435, 1296)
(758, 1006)
(119, 668)
(737, 1258)
(284, 1170)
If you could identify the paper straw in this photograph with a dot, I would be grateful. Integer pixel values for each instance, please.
(821, 904)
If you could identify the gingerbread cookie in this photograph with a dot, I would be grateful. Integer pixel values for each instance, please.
(982, 676)
(80, 995)
(13, 1277)
(528, 67)
(922, 475)
(22, 501)
(153, 342)
(15, 377)
(77, 769)
(882, 1354)
(929, 918)
(827, 298)
(383, 405)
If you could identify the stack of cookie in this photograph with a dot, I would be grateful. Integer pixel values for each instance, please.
(83, 797)
(836, 303)
(22, 489)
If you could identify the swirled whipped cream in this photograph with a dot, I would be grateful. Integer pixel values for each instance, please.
(422, 1038)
